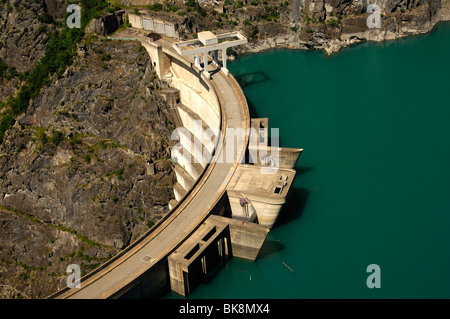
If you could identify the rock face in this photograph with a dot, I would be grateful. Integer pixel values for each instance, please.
(331, 25)
(107, 23)
(55, 8)
(73, 169)
(22, 36)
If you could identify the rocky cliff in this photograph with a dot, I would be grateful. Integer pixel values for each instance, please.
(332, 24)
(90, 157)
(107, 23)
(85, 170)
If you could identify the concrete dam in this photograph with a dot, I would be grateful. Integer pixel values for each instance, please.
(231, 184)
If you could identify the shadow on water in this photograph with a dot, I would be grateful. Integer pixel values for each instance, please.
(302, 169)
(248, 79)
(293, 209)
(252, 109)
(270, 247)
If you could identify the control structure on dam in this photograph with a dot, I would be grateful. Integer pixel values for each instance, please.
(231, 184)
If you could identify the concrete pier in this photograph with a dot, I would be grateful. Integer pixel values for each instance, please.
(213, 243)
(199, 255)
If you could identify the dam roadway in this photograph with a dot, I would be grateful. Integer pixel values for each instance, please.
(123, 273)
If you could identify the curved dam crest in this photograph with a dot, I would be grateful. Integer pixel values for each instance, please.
(214, 213)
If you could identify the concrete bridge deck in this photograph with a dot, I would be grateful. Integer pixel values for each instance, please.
(119, 276)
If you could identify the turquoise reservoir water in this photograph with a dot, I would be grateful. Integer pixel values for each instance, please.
(373, 183)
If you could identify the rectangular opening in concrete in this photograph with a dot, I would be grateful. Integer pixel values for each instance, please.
(278, 189)
(192, 252)
(209, 234)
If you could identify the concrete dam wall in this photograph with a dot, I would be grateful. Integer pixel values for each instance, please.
(198, 109)
(199, 112)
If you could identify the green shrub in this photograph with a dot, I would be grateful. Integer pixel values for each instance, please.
(171, 8)
(45, 18)
(57, 137)
(3, 69)
(41, 137)
(87, 159)
(155, 7)
(118, 173)
(21, 147)
(105, 57)
(333, 23)
(74, 140)
(112, 9)
(5, 124)
(193, 4)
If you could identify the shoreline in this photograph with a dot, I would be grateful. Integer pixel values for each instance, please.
(290, 47)
(334, 45)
